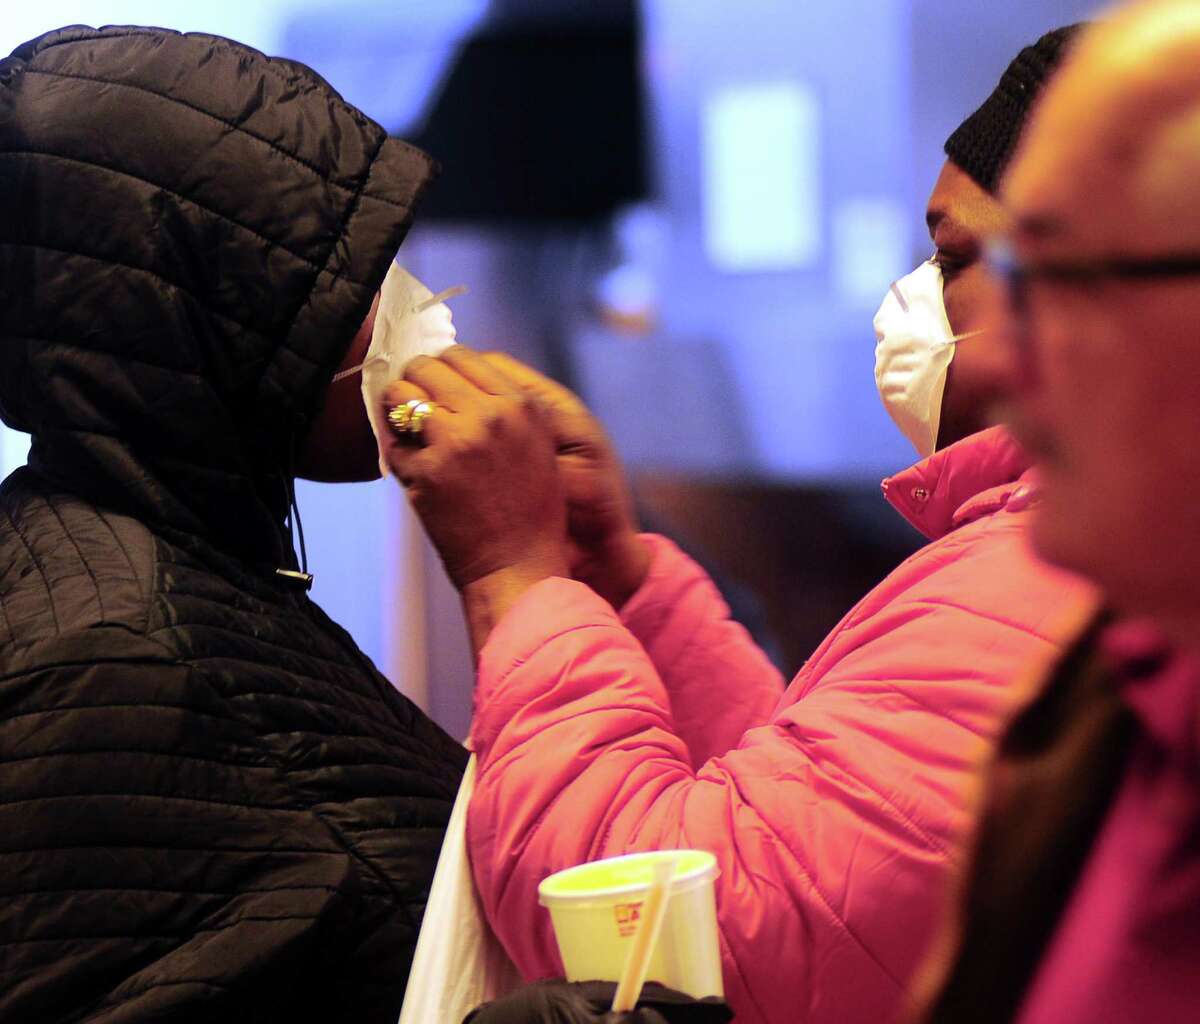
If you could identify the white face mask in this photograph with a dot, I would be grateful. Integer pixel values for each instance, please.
(410, 321)
(914, 347)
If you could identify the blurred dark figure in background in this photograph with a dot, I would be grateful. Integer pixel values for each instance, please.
(214, 807)
(633, 714)
(1083, 903)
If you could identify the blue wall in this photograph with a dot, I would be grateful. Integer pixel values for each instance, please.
(785, 351)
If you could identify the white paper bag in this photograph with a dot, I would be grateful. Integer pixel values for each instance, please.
(459, 963)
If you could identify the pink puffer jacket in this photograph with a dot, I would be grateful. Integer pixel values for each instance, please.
(836, 809)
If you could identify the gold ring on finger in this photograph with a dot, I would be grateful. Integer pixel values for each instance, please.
(399, 415)
(408, 419)
(420, 413)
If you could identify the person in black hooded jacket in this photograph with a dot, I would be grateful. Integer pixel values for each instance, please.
(212, 805)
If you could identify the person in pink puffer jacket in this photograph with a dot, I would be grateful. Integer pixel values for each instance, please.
(623, 710)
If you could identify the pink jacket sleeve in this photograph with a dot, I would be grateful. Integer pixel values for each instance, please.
(717, 679)
(580, 759)
(834, 826)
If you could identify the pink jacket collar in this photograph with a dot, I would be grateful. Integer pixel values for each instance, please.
(957, 485)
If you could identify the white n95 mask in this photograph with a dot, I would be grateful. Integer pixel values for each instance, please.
(912, 355)
(410, 321)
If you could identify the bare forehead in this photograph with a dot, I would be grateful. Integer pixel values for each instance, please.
(958, 206)
(1057, 190)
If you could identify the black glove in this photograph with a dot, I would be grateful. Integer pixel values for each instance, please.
(588, 1002)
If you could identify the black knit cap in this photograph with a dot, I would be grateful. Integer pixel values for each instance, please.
(983, 144)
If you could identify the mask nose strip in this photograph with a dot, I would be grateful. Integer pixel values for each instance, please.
(899, 296)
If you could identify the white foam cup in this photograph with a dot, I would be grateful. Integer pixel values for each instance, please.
(595, 909)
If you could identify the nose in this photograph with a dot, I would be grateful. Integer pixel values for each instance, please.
(1008, 302)
(996, 317)
(1004, 317)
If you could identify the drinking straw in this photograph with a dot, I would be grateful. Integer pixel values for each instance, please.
(637, 962)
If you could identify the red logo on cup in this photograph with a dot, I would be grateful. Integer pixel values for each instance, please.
(628, 915)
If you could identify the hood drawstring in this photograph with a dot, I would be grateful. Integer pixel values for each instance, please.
(302, 579)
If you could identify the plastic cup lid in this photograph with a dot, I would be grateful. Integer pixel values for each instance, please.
(619, 876)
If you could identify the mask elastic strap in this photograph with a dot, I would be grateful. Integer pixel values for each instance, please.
(433, 300)
(343, 374)
(961, 337)
(442, 296)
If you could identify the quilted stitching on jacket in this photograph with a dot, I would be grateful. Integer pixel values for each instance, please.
(213, 806)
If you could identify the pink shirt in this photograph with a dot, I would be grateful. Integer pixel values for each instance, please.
(1128, 946)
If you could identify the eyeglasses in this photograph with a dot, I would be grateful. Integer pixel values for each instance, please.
(1016, 275)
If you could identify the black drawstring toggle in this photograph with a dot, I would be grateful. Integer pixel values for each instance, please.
(303, 580)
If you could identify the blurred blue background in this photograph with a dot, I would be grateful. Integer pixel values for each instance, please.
(717, 317)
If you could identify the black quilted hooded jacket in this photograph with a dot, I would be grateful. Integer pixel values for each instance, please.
(212, 806)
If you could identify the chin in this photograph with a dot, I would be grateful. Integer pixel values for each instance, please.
(344, 475)
(1058, 534)
(362, 471)
(330, 467)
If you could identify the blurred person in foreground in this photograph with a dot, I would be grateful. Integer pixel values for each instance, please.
(214, 807)
(1083, 902)
(630, 713)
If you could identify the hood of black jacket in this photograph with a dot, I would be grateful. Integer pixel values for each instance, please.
(190, 235)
